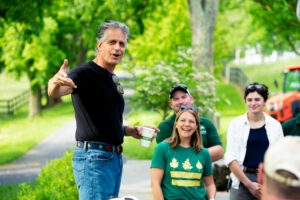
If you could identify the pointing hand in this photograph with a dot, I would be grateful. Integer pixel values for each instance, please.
(61, 78)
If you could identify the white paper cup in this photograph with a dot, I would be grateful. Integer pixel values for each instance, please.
(146, 137)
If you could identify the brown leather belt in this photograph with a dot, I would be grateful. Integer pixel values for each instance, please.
(99, 146)
(251, 170)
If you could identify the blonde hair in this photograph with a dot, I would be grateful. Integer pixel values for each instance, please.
(196, 140)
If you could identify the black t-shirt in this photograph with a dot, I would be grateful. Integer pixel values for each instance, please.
(98, 105)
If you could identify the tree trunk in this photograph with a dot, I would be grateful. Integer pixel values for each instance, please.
(81, 56)
(35, 106)
(203, 14)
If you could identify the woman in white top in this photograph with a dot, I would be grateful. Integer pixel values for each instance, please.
(248, 138)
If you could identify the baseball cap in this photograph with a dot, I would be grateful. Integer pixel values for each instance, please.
(283, 155)
(178, 87)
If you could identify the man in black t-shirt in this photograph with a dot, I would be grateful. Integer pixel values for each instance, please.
(97, 97)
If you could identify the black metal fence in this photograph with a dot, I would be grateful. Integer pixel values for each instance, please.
(11, 105)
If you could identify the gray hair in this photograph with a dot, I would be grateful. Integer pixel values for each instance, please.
(111, 24)
(101, 35)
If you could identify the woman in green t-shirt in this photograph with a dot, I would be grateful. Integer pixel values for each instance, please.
(181, 168)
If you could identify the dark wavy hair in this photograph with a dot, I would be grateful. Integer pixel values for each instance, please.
(259, 88)
(196, 140)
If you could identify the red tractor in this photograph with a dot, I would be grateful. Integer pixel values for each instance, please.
(286, 105)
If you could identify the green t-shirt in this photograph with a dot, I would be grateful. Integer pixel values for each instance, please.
(183, 171)
(292, 127)
(209, 132)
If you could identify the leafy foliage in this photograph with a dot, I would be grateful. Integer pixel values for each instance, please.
(279, 23)
(264, 24)
(154, 81)
(232, 29)
(166, 30)
(36, 45)
(56, 181)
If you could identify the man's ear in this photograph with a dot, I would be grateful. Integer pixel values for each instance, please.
(98, 44)
(260, 176)
(192, 99)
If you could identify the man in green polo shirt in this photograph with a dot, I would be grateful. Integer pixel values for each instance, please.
(180, 96)
(292, 127)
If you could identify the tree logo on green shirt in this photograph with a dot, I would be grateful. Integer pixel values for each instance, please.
(199, 165)
(187, 165)
(174, 163)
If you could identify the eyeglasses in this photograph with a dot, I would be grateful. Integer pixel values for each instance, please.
(118, 84)
(257, 86)
(192, 108)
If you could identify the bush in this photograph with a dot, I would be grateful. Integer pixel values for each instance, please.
(56, 181)
(154, 81)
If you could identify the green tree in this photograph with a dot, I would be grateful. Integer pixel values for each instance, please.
(233, 26)
(264, 24)
(57, 30)
(163, 55)
(28, 54)
(279, 23)
(21, 35)
(166, 30)
(153, 83)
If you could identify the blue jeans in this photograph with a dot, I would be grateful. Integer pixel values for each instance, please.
(97, 173)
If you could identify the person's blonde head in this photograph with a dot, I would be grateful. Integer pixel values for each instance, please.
(196, 140)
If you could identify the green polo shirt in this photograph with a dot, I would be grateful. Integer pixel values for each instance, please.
(209, 132)
(292, 127)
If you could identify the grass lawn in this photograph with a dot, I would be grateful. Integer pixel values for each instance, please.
(230, 99)
(9, 192)
(267, 73)
(230, 105)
